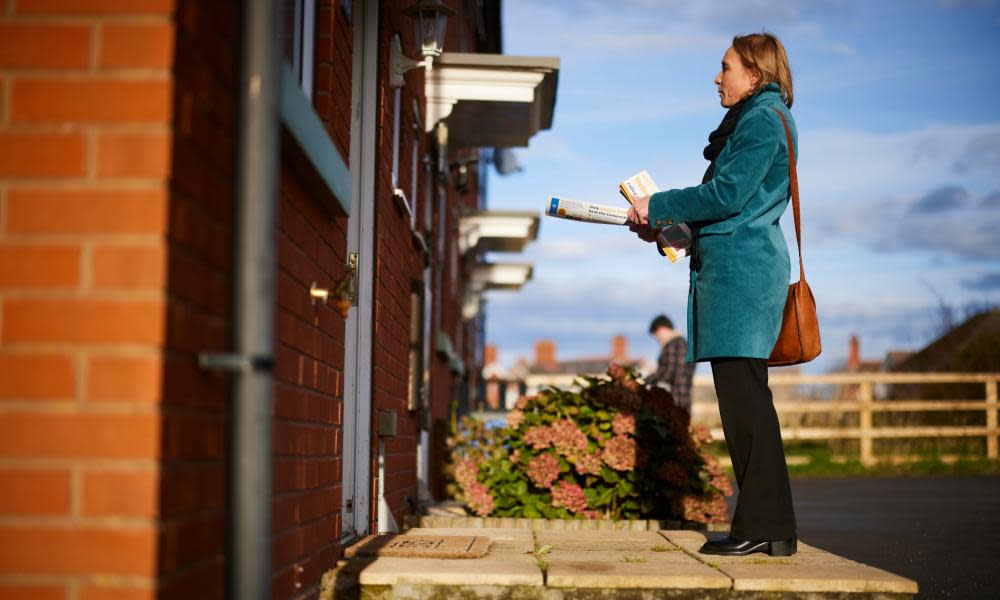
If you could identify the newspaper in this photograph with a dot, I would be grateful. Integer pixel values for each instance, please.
(587, 212)
(674, 240)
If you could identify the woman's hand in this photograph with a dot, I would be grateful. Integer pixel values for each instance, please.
(644, 231)
(639, 213)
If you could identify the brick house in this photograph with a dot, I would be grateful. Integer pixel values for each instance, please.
(128, 172)
(501, 389)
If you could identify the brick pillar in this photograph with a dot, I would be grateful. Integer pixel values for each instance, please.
(85, 109)
(545, 354)
(490, 354)
(493, 394)
(853, 354)
(619, 349)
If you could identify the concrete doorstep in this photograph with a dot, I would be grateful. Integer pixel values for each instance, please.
(568, 565)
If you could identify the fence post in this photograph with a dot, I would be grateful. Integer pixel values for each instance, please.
(991, 419)
(865, 423)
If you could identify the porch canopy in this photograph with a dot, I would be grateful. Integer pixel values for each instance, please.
(491, 100)
(497, 231)
(493, 276)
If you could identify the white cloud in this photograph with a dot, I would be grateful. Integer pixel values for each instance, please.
(856, 167)
(841, 48)
(648, 41)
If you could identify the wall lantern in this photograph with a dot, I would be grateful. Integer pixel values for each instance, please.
(429, 20)
(460, 170)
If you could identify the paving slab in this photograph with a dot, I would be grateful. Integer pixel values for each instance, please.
(421, 546)
(618, 541)
(623, 560)
(507, 563)
(502, 539)
(810, 570)
(614, 570)
(494, 533)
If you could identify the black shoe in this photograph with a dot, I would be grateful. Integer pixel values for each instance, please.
(729, 546)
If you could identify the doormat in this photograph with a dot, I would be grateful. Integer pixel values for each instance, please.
(414, 546)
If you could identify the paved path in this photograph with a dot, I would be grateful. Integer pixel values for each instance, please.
(943, 532)
(564, 564)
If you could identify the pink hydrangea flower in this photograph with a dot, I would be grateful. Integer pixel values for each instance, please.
(623, 423)
(705, 509)
(514, 419)
(700, 435)
(620, 452)
(587, 463)
(515, 456)
(717, 476)
(567, 437)
(543, 470)
(590, 514)
(570, 496)
(479, 499)
(466, 473)
(721, 483)
(539, 437)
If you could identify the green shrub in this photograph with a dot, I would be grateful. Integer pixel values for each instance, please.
(616, 449)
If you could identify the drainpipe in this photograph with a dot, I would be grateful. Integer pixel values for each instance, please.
(386, 430)
(257, 162)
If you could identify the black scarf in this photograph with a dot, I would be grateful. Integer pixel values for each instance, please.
(717, 139)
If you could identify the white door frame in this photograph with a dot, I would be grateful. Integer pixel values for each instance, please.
(361, 240)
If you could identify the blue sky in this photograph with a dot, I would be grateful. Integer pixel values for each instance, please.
(897, 104)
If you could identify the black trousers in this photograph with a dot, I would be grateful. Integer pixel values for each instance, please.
(764, 506)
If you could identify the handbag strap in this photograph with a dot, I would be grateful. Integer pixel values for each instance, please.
(794, 183)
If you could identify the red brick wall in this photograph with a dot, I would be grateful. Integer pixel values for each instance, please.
(85, 107)
(446, 387)
(195, 402)
(308, 401)
(398, 263)
(334, 63)
(117, 127)
(309, 369)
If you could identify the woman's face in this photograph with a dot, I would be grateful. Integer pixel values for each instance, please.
(734, 81)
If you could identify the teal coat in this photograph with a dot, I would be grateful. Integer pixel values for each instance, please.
(737, 296)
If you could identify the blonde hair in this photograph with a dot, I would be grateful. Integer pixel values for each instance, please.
(764, 55)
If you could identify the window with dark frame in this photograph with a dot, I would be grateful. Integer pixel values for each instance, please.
(417, 333)
(406, 198)
(298, 39)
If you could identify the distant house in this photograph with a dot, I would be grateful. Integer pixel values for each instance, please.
(503, 388)
(856, 364)
(971, 347)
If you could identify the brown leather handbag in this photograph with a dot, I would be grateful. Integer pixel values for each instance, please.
(798, 342)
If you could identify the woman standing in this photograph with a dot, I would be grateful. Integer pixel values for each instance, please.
(739, 280)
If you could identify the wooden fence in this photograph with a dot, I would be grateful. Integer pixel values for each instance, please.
(866, 405)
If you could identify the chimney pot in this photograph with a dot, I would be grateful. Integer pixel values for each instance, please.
(853, 354)
(490, 354)
(619, 349)
(545, 354)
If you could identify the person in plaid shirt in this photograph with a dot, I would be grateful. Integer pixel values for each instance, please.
(672, 371)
